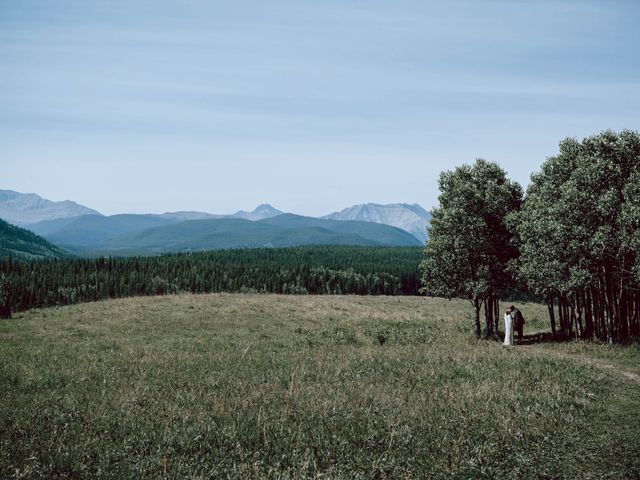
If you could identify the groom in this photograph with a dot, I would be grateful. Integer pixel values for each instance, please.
(518, 322)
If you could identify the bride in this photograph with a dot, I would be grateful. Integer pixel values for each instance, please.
(508, 328)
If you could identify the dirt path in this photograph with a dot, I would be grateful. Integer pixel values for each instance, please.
(630, 375)
(634, 377)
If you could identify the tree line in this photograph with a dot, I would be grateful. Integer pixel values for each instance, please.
(573, 239)
(296, 270)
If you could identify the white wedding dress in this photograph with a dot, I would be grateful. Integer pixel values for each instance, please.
(508, 330)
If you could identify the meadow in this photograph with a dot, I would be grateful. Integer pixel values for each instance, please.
(273, 386)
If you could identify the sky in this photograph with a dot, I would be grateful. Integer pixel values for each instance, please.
(312, 106)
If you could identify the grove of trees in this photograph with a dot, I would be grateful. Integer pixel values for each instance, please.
(574, 240)
(579, 233)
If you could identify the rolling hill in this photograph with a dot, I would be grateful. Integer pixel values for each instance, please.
(283, 230)
(92, 231)
(380, 233)
(22, 244)
(140, 234)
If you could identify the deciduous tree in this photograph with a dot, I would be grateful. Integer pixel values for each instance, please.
(470, 247)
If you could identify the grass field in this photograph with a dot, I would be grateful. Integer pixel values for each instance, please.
(265, 386)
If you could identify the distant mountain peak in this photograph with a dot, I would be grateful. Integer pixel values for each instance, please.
(265, 206)
(409, 217)
(259, 213)
(29, 208)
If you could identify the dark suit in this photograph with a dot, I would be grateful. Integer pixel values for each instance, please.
(518, 323)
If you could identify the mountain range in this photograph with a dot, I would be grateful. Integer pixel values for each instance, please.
(261, 211)
(83, 230)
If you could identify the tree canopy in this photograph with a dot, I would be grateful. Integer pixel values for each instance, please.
(470, 246)
(579, 236)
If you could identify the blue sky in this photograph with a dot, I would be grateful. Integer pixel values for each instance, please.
(150, 106)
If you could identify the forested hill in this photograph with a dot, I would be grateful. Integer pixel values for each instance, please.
(297, 270)
(282, 231)
(22, 244)
(144, 234)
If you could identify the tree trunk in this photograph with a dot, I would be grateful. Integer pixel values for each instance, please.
(561, 316)
(609, 308)
(488, 317)
(588, 315)
(623, 301)
(635, 326)
(476, 306)
(576, 314)
(552, 316)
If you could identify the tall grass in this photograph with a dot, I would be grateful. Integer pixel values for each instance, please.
(265, 386)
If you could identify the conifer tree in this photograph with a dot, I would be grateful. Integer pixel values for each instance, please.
(5, 297)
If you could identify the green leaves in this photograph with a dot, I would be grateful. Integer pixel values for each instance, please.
(577, 214)
(470, 244)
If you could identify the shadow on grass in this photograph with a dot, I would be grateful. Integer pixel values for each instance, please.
(539, 337)
(533, 338)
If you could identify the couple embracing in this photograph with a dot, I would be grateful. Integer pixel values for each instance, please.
(513, 319)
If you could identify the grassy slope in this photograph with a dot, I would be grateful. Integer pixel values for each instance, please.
(286, 387)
